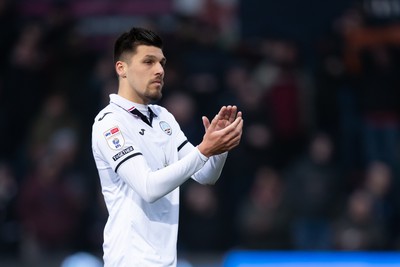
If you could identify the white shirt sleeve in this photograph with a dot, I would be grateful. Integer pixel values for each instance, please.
(152, 185)
(211, 171)
(115, 150)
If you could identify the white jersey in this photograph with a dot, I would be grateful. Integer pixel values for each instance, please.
(141, 166)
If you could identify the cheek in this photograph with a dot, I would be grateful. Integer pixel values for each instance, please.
(137, 78)
(140, 76)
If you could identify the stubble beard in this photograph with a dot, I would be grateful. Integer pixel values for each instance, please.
(154, 95)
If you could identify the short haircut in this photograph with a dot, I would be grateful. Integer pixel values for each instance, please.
(129, 41)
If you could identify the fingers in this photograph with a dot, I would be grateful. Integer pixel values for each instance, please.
(232, 140)
(237, 131)
(233, 125)
(228, 113)
(232, 115)
(219, 139)
(226, 116)
(236, 137)
(222, 112)
(213, 123)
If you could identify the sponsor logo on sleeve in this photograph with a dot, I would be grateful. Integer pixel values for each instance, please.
(122, 153)
(114, 138)
(165, 127)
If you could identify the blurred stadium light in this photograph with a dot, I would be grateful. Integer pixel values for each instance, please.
(311, 259)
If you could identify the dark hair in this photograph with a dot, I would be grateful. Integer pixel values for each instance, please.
(128, 41)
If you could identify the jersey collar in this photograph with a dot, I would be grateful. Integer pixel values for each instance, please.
(144, 112)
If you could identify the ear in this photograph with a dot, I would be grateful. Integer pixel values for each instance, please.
(120, 68)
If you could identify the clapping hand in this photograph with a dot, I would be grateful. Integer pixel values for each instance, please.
(225, 117)
(223, 133)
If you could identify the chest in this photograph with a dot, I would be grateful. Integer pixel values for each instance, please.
(156, 143)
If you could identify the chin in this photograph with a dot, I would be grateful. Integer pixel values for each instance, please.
(155, 98)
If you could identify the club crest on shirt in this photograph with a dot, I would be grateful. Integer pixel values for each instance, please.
(114, 138)
(165, 127)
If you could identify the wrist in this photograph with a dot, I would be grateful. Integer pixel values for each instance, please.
(203, 151)
(202, 156)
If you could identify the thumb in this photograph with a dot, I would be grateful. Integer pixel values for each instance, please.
(206, 122)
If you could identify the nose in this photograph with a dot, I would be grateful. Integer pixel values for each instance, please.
(159, 69)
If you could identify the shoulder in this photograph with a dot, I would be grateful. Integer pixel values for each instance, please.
(106, 120)
(106, 115)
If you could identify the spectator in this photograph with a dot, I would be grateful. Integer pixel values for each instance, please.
(53, 116)
(26, 67)
(379, 183)
(285, 98)
(263, 216)
(202, 229)
(380, 99)
(52, 200)
(357, 228)
(313, 193)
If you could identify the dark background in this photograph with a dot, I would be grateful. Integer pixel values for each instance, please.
(318, 84)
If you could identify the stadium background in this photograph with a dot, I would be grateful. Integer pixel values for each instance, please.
(317, 81)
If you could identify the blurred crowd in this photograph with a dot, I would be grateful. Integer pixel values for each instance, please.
(318, 166)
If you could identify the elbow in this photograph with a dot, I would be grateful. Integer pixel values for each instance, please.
(210, 182)
(206, 181)
(213, 182)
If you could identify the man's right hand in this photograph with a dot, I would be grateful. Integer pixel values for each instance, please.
(223, 133)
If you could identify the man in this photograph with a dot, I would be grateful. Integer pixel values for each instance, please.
(143, 156)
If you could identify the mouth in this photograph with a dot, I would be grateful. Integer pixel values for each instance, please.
(158, 82)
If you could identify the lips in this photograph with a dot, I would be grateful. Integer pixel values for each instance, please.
(160, 82)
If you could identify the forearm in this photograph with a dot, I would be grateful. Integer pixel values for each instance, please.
(152, 185)
(211, 171)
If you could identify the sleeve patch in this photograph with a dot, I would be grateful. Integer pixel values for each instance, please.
(114, 138)
(122, 153)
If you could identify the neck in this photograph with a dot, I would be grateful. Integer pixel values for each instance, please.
(128, 93)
